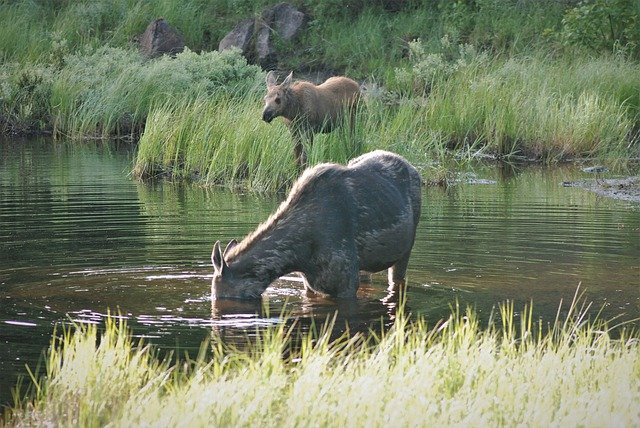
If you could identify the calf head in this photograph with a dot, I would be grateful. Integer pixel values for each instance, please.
(229, 284)
(277, 97)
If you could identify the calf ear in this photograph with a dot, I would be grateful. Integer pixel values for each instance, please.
(271, 79)
(229, 247)
(217, 259)
(287, 80)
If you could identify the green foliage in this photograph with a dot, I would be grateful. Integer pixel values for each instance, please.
(604, 25)
(499, 25)
(429, 69)
(24, 98)
(483, 77)
(111, 90)
(222, 142)
(538, 108)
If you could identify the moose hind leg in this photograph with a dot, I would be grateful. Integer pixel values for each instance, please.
(398, 271)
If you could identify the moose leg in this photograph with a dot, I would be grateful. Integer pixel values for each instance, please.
(398, 271)
(338, 277)
(301, 157)
(298, 148)
(356, 144)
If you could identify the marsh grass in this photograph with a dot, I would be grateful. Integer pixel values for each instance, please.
(516, 371)
(533, 108)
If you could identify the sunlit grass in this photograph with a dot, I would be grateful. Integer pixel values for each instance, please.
(520, 372)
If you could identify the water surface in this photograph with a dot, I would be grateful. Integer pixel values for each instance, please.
(80, 239)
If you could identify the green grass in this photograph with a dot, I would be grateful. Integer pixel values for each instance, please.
(518, 372)
(541, 108)
(222, 142)
(530, 107)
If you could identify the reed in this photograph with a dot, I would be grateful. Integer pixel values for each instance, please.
(516, 372)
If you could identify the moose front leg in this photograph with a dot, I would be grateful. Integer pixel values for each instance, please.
(298, 147)
(300, 155)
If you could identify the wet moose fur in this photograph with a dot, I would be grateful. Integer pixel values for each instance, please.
(336, 221)
(308, 109)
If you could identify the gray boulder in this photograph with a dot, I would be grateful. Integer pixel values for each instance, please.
(160, 38)
(255, 38)
(286, 21)
(281, 20)
(240, 37)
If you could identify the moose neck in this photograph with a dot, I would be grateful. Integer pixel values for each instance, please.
(276, 249)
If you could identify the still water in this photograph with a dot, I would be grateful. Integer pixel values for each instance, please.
(80, 239)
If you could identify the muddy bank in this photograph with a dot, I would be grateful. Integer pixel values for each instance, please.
(626, 189)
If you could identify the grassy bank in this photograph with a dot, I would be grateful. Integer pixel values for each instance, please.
(526, 107)
(444, 80)
(519, 373)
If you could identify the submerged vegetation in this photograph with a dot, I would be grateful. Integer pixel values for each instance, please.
(442, 80)
(516, 372)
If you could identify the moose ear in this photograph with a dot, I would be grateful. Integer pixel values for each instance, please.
(287, 80)
(229, 247)
(217, 259)
(271, 79)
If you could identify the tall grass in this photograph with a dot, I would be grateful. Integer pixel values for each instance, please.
(542, 108)
(481, 78)
(572, 373)
(34, 29)
(531, 107)
(221, 142)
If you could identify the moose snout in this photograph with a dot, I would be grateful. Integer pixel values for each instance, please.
(267, 115)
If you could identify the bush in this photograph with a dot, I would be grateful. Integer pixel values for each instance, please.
(111, 90)
(429, 69)
(604, 25)
(24, 98)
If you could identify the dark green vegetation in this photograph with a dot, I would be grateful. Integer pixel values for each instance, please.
(457, 80)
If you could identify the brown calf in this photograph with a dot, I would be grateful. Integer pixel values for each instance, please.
(308, 109)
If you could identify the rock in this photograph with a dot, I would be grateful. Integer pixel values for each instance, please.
(266, 54)
(160, 38)
(240, 37)
(626, 189)
(595, 169)
(256, 38)
(286, 20)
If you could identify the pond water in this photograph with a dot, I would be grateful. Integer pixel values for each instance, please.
(80, 239)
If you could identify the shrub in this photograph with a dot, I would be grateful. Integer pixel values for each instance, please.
(24, 98)
(110, 91)
(429, 69)
(604, 25)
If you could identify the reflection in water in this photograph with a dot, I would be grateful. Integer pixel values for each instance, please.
(80, 240)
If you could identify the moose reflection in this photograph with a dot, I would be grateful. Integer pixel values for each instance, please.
(337, 220)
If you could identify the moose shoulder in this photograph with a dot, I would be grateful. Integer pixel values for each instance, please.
(308, 109)
(336, 221)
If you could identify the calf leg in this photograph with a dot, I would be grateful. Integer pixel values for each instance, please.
(301, 157)
(298, 148)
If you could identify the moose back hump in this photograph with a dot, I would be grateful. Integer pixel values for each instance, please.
(336, 221)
